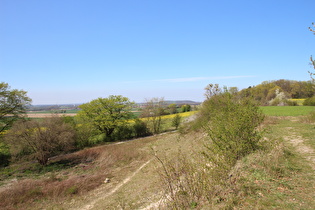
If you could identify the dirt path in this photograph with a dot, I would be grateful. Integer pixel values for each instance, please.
(298, 143)
(99, 194)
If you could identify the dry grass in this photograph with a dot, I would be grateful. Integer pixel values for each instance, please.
(88, 170)
(274, 178)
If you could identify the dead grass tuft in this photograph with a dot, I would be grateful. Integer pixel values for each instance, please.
(28, 191)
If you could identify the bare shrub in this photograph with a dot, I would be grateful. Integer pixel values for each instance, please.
(40, 140)
(27, 191)
(153, 111)
(184, 180)
(89, 168)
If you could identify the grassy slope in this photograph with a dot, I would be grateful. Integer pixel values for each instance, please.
(287, 110)
(281, 177)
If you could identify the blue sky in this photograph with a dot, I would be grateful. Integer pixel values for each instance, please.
(73, 51)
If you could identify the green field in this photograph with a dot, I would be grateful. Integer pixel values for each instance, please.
(287, 110)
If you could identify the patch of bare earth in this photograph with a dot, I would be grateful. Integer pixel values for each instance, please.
(102, 193)
(298, 143)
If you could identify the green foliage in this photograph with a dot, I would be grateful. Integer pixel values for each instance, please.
(94, 139)
(176, 121)
(140, 128)
(4, 154)
(231, 125)
(286, 110)
(13, 104)
(123, 132)
(185, 108)
(265, 92)
(69, 120)
(291, 103)
(105, 114)
(86, 135)
(309, 101)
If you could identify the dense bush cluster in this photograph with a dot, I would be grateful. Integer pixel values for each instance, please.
(232, 125)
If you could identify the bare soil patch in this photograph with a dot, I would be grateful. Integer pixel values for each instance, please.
(298, 143)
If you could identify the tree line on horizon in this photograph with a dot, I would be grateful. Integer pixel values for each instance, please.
(268, 92)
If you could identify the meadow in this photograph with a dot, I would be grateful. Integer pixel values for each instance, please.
(287, 110)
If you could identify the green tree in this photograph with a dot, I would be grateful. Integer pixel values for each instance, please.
(140, 128)
(176, 121)
(309, 101)
(185, 108)
(106, 114)
(13, 104)
(40, 140)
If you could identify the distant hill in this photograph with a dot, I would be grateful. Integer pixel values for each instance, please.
(49, 107)
(177, 102)
(182, 102)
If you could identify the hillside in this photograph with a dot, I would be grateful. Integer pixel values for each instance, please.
(280, 177)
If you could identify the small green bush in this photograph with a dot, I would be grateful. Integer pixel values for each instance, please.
(176, 121)
(185, 108)
(309, 101)
(93, 140)
(291, 103)
(140, 129)
(123, 132)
